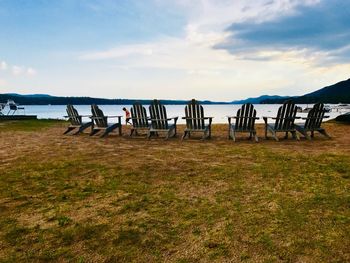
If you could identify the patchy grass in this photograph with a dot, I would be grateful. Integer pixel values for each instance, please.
(27, 125)
(86, 199)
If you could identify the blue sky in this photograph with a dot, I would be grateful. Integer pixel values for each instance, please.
(205, 49)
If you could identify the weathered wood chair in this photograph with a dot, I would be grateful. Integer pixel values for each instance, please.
(244, 122)
(160, 121)
(313, 122)
(76, 120)
(100, 122)
(139, 119)
(284, 121)
(195, 120)
(2, 106)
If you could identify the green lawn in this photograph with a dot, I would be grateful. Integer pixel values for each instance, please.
(83, 199)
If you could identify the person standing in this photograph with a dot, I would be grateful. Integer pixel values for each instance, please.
(127, 116)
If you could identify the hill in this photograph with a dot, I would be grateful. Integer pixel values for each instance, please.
(258, 100)
(44, 99)
(337, 93)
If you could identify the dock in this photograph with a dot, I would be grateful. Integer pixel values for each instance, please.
(17, 117)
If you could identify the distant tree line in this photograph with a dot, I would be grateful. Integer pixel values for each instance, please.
(53, 100)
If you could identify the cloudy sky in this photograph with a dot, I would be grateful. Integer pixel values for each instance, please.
(175, 49)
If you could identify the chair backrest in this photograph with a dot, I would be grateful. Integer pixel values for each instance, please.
(2, 106)
(286, 116)
(99, 119)
(315, 117)
(194, 114)
(158, 115)
(73, 115)
(245, 119)
(139, 116)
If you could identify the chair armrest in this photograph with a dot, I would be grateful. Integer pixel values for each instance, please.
(114, 116)
(313, 118)
(167, 119)
(255, 118)
(148, 118)
(95, 117)
(204, 118)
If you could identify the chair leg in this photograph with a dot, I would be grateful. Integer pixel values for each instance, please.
(93, 132)
(230, 136)
(266, 131)
(274, 135)
(83, 127)
(174, 132)
(256, 137)
(105, 133)
(184, 136)
(286, 136)
(306, 135)
(68, 130)
(167, 135)
(205, 135)
(149, 134)
(295, 135)
(234, 135)
(323, 132)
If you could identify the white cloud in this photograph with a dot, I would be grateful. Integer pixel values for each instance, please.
(17, 70)
(3, 65)
(3, 83)
(217, 73)
(121, 51)
(31, 72)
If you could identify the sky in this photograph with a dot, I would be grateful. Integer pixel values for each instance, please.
(173, 49)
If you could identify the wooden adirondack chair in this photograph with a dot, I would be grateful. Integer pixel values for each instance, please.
(139, 118)
(160, 121)
(76, 121)
(313, 122)
(284, 122)
(195, 120)
(101, 122)
(245, 122)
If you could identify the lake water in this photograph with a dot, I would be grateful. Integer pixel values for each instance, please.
(219, 112)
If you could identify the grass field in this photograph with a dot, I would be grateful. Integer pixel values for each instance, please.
(86, 199)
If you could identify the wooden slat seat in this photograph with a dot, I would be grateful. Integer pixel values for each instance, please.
(196, 121)
(100, 122)
(139, 119)
(313, 122)
(244, 122)
(76, 120)
(283, 122)
(160, 121)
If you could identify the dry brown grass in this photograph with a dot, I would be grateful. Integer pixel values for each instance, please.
(81, 198)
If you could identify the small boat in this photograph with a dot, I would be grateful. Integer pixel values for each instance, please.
(12, 109)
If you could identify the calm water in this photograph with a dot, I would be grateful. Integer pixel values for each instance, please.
(219, 112)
